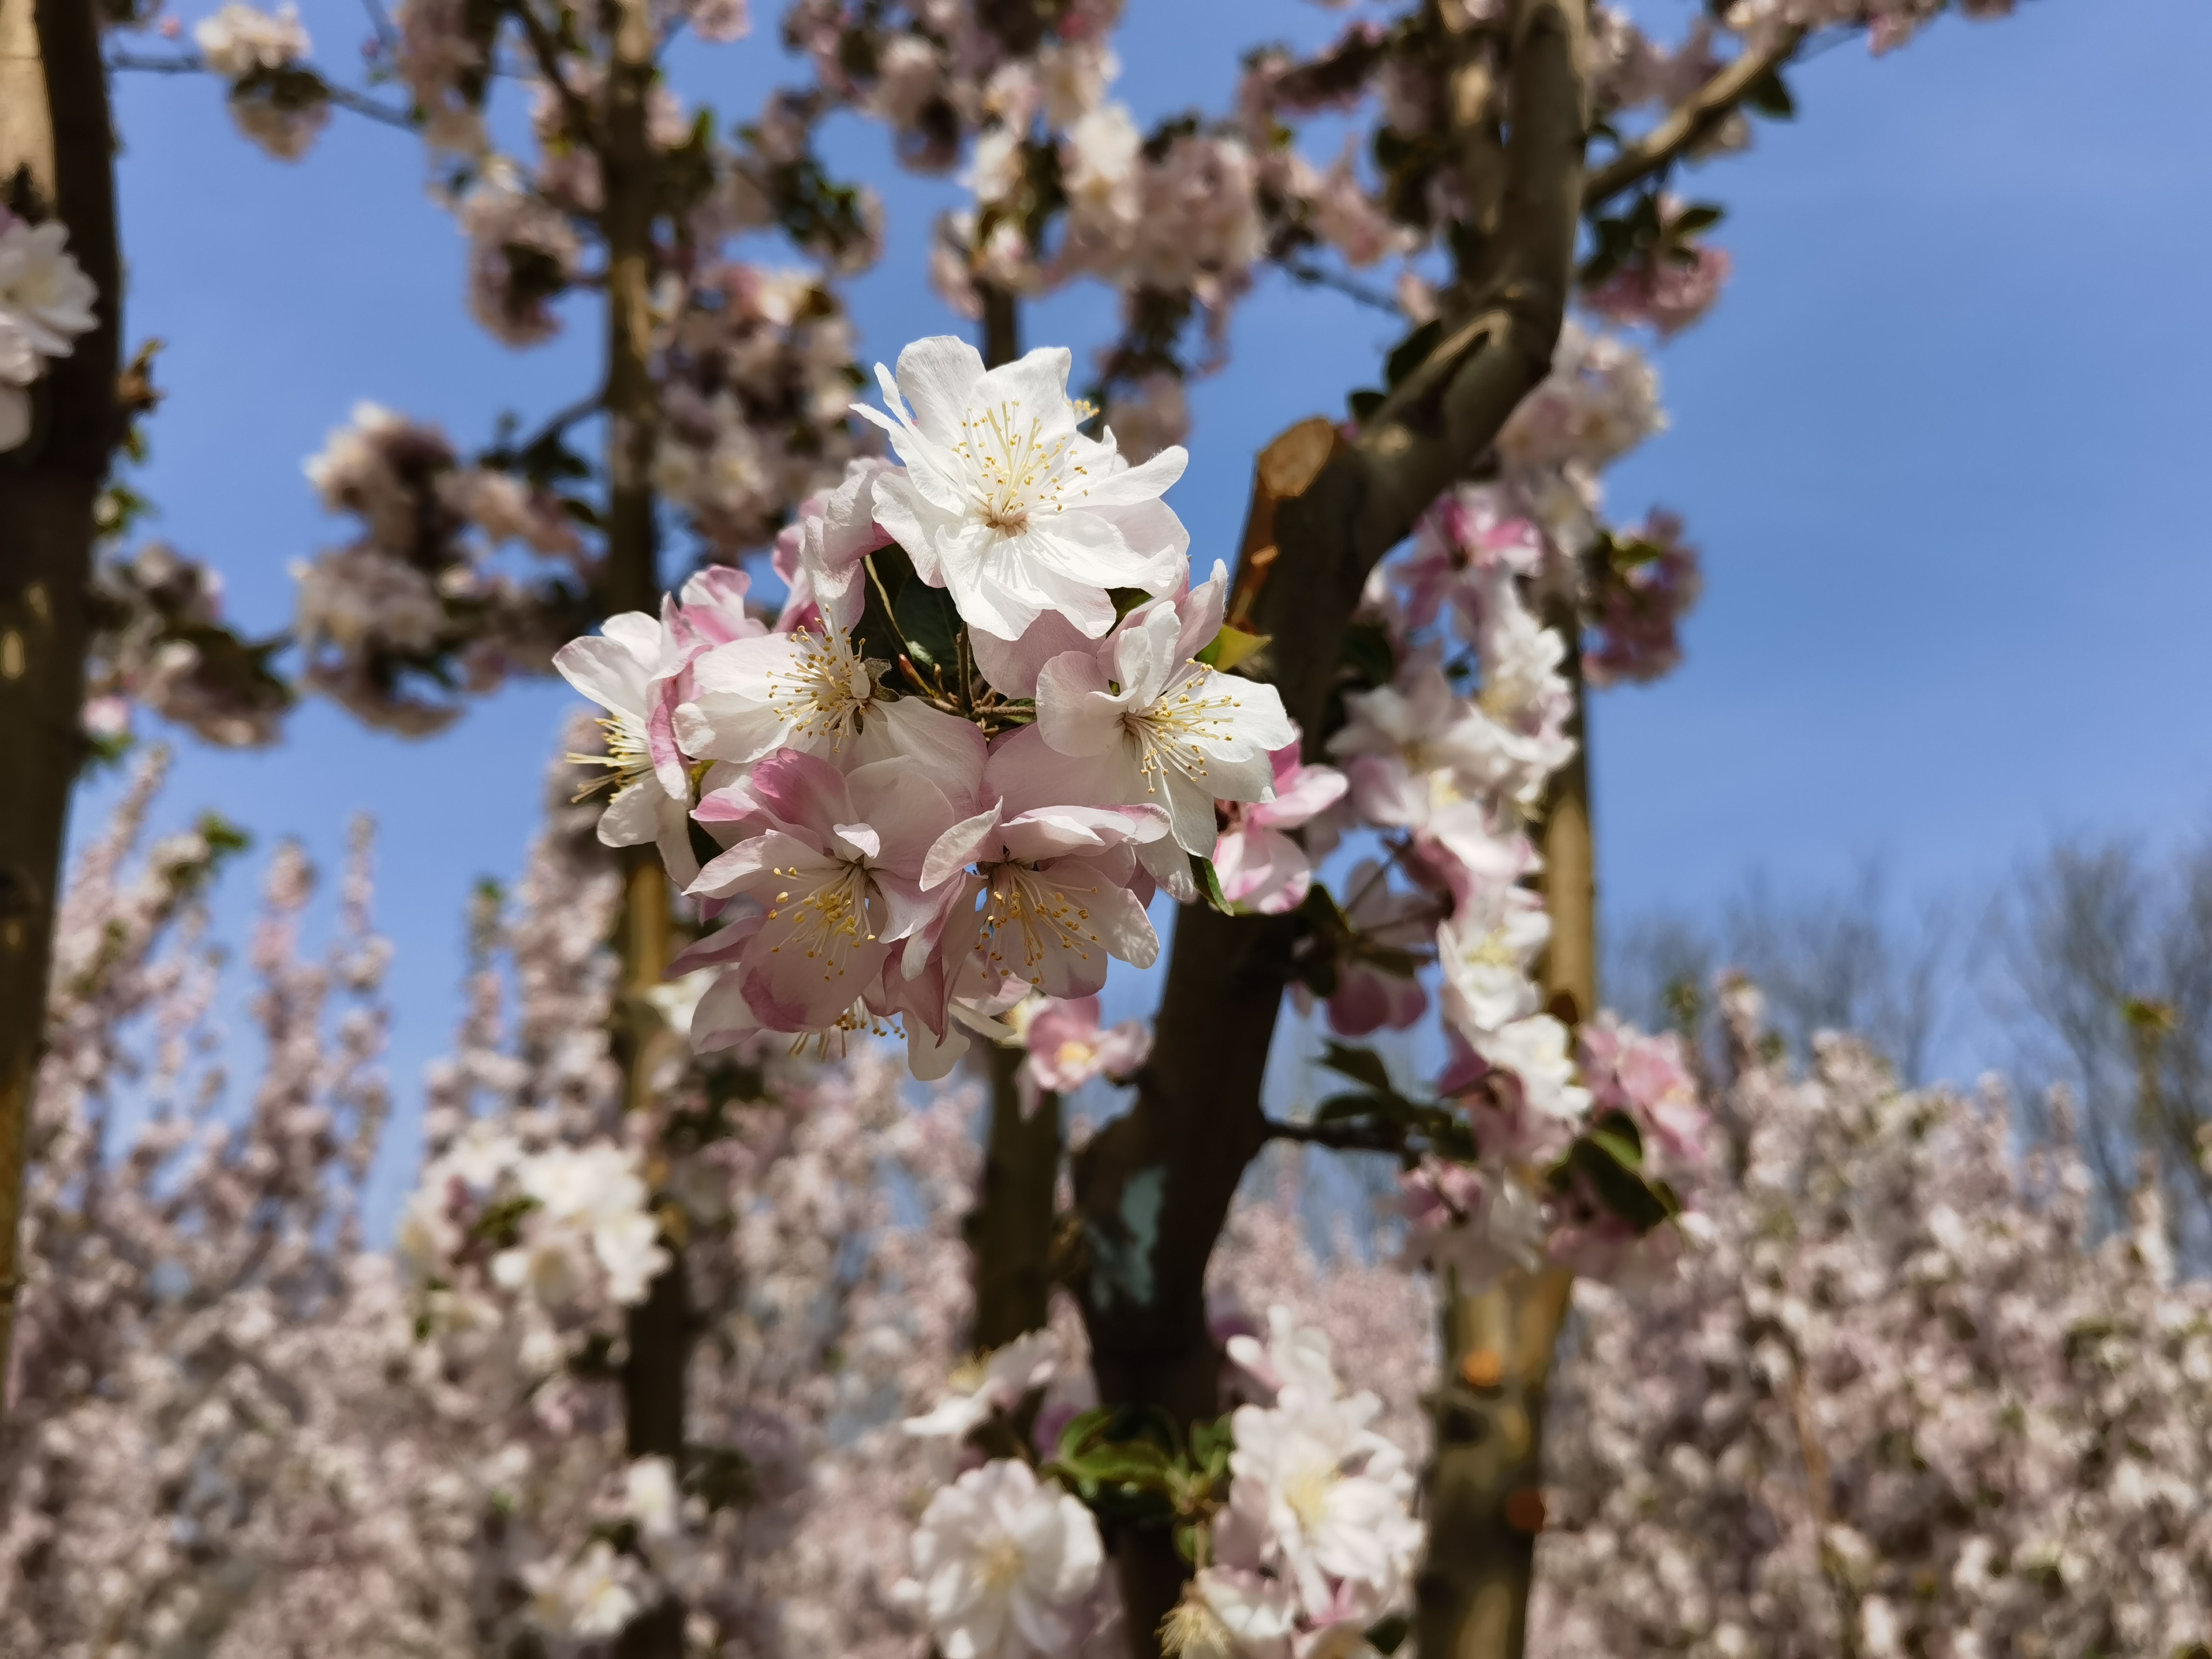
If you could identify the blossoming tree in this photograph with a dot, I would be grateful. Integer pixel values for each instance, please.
(935, 791)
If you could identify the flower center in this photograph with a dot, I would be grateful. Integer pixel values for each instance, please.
(1019, 471)
(627, 759)
(998, 1562)
(827, 692)
(1027, 919)
(1194, 1630)
(1170, 730)
(1074, 1053)
(1307, 1493)
(830, 921)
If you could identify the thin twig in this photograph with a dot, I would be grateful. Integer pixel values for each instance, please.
(190, 63)
(547, 51)
(1689, 122)
(562, 419)
(1313, 275)
(1340, 1137)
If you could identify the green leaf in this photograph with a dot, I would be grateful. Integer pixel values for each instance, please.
(1699, 215)
(1367, 651)
(1390, 1634)
(1770, 96)
(1360, 1065)
(1209, 885)
(1410, 353)
(1231, 646)
(929, 623)
(1619, 1187)
(1341, 1109)
(704, 846)
(721, 1476)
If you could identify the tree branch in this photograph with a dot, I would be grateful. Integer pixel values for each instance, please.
(57, 160)
(546, 49)
(1689, 123)
(1153, 1187)
(192, 64)
(1338, 1137)
(1313, 275)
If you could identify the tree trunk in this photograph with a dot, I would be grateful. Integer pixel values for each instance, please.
(1484, 1485)
(1010, 1229)
(57, 152)
(661, 1329)
(1153, 1187)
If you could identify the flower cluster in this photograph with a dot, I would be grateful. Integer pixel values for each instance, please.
(279, 105)
(1899, 1403)
(46, 302)
(160, 642)
(1317, 1541)
(414, 604)
(980, 738)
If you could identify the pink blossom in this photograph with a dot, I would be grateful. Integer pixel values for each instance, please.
(1068, 1048)
(1261, 866)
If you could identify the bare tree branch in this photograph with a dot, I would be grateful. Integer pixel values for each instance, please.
(192, 64)
(1689, 123)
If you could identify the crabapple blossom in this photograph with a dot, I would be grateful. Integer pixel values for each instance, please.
(990, 1384)
(1067, 1047)
(1003, 1565)
(45, 302)
(1259, 865)
(1137, 721)
(1005, 504)
(1048, 899)
(834, 865)
(1317, 1500)
(617, 670)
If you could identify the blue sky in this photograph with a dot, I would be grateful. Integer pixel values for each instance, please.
(1939, 445)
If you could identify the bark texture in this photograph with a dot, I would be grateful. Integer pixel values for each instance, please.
(661, 1329)
(1153, 1187)
(56, 153)
(1483, 1492)
(1010, 1231)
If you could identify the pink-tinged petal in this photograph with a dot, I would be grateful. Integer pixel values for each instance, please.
(794, 986)
(1027, 772)
(1263, 869)
(1077, 712)
(803, 791)
(1012, 667)
(1384, 793)
(946, 751)
(906, 813)
(1047, 832)
(1301, 794)
(1201, 612)
(637, 632)
(907, 517)
(958, 847)
(630, 818)
(672, 837)
(606, 671)
(725, 945)
(723, 1018)
(860, 840)
(1145, 655)
(727, 871)
(670, 763)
